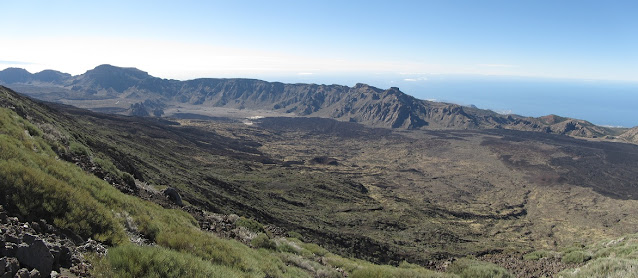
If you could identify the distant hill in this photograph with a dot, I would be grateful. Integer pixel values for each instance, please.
(630, 135)
(362, 103)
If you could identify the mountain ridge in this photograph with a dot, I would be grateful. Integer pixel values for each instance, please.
(361, 103)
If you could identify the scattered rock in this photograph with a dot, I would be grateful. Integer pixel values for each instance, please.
(92, 246)
(42, 250)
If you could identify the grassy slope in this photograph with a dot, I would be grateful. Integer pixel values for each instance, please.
(610, 258)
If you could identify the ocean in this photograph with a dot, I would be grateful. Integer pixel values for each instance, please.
(602, 103)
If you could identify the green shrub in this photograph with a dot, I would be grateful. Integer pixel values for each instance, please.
(32, 129)
(314, 249)
(573, 247)
(537, 255)
(250, 224)
(405, 264)
(625, 247)
(105, 164)
(135, 261)
(79, 149)
(285, 247)
(386, 271)
(604, 267)
(476, 269)
(576, 256)
(262, 241)
(296, 235)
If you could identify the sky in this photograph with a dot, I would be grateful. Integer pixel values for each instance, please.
(188, 39)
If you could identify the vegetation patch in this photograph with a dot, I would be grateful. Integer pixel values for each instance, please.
(537, 255)
(250, 224)
(467, 268)
(612, 258)
(136, 261)
(604, 267)
(576, 257)
(263, 241)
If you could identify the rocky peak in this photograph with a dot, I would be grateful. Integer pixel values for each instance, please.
(113, 71)
(110, 77)
(51, 76)
(552, 119)
(14, 75)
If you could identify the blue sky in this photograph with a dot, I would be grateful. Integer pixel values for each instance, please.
(317, 39)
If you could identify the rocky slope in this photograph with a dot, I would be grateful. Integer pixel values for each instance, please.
(361, 103)
(39, 249)
(630, 135)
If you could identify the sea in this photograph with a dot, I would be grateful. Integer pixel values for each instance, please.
(606, 103)
(600, 102)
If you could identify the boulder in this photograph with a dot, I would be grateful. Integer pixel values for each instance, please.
(36, 255)
(22, 273)
(29, 238)
(65, 256)
(9, 267)
(12, 238)
(9, 249)
(173, 195)
(34, 273)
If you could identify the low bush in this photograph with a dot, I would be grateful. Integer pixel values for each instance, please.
(467, 268)
(250, 224)
(78, 149)
(287, 248)
(314, 248)
(296, 235)
(604, 268)
(136, 261)
(576, 257)
(263, 241)
(537, 255)
(386, 271)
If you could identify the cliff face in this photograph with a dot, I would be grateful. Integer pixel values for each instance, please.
(362, 103)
